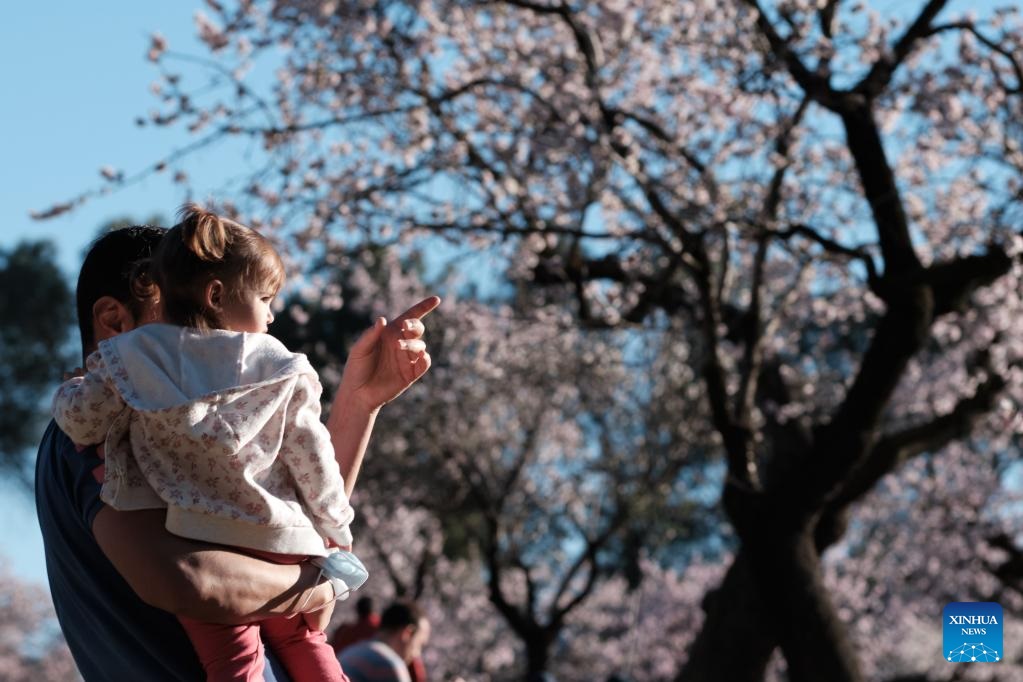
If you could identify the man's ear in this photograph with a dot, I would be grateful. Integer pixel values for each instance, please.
(213, 296)
(110, 317)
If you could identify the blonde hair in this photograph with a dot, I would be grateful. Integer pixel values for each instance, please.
(203, 247)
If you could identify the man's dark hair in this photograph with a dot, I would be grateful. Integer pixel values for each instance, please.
(108, 270)
(364, 607)
(400, 615)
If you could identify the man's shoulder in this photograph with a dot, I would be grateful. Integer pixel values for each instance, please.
(54, 441)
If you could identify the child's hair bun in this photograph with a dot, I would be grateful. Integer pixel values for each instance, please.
(203, 232)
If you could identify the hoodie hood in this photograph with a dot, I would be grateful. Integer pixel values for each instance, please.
(159, 366)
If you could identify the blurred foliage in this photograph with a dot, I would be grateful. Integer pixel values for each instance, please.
(38, 313)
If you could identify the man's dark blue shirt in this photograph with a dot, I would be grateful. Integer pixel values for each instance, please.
(113, 635)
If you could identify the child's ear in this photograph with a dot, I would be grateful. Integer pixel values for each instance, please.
(213, 297)
(110, 317)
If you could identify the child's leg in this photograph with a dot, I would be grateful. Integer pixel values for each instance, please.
(228, 653)
(304, 652)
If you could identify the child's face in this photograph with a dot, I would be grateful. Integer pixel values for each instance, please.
(251, 313)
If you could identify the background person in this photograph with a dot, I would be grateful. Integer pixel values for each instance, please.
(365, 627)
(367, 621)
(404, 630)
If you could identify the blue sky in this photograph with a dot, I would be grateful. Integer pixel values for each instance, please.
(75, 77)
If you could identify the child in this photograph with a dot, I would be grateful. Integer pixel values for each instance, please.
(212, 418)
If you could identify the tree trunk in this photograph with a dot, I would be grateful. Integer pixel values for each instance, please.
(788, 578)
(736, 641)
(739, 633)
(537, 658)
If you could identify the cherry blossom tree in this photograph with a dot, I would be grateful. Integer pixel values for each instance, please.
(818, 203)
(31, 647)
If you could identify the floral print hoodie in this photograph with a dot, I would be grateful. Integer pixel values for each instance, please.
(221, 428)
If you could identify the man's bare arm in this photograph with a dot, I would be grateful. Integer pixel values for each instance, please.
(385, 360)
(199, 580)
(350, 426)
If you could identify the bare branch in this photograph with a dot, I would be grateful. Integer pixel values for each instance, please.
(863, 140)
(661, 134)
(826, 17)
(742, 470)
(659, 290)
(384, 555)
(750, 364)
(848, 439)
(152, 169)
(507, 230)
(587, 559)
(516, 619)
(586, 44)
(953, 282)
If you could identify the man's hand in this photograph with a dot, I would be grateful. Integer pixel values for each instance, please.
(388, 358)
(320, 618)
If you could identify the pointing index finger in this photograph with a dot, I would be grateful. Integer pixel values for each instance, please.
(421, 309)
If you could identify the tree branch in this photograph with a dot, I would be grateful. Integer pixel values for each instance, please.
(384, 554)
(953, 282)
(880, 74)
(588, 557)
(518, 621)
(1009, 55)
(658, 290)
(661, 134)
(844, 444)
(833, 248)
(881, 191)
(893, 450)
(752, 350)
(587, 46)
(814, 85)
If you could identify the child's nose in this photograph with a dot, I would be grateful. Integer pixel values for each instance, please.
(269, 316)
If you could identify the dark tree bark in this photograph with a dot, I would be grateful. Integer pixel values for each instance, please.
(736, 640)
